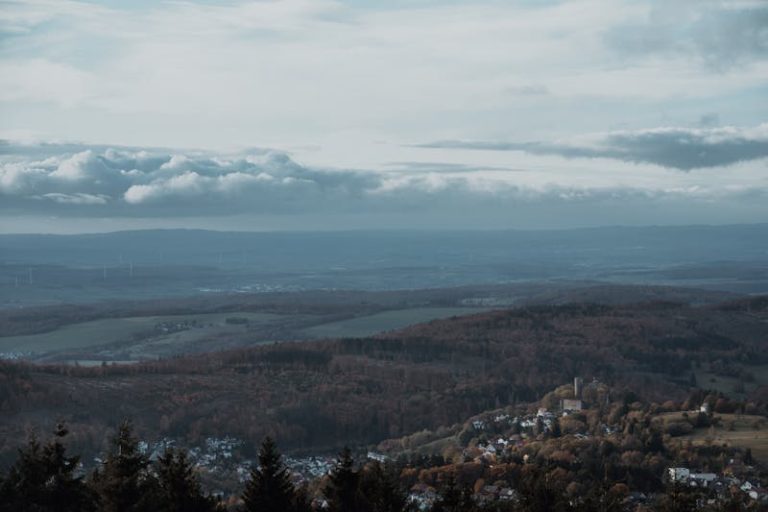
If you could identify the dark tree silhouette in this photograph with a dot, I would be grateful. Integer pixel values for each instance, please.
(379, 486)
(124, 483)
(302, 501)
(270, 488)
(43, 479)
(178, 486)
(342, 488)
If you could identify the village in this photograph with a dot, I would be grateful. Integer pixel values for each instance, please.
(501, 436)
(224, 463)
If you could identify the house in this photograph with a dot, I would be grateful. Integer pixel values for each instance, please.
(507, 494)
(379, 457)
(501, 417)
(568, 404)
(422, 496)
(705, 478)
(679, 474)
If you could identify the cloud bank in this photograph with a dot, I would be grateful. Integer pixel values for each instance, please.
(159, 185)
(138, 182)
(677, 148)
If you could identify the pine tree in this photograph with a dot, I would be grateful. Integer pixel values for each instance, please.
(43, 479)
(270, 488)
(379, 486)
(391, 497)
(124, 483)
(178, 486)
(26, 478)
(342, 490)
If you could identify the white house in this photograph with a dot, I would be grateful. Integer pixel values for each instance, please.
(679, 474)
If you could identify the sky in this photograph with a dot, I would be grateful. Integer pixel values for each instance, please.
(355, 114)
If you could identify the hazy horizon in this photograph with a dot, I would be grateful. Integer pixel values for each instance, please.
(384, 230)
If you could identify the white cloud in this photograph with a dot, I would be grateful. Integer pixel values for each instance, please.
(75, 180)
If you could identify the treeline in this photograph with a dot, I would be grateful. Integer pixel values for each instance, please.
(44, 478)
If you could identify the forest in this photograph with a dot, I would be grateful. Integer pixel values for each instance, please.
(311, 395)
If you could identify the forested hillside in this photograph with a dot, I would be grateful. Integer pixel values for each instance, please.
(317, 395)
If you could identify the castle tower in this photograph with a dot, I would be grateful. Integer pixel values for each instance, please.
(578, 384)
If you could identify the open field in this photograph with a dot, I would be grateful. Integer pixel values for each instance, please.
(116, 330)
(130, 339)
(737, 430)
(384, 321)
(733, 386)
(150, 330)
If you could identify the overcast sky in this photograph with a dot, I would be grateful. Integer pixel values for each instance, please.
(356, 114)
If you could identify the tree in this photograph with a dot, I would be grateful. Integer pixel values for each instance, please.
(450, 496)
(342, 490)
(43, 479)
(179, 487)
(677, 499)
(124, 483)
(454, 499)
(539, 493)
(603, 497)
(302, 501)
(380, 487)
(270, 488)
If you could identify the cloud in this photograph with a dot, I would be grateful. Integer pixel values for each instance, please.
(721, 34)
(678, 148)
(156, 185)
(136, 181)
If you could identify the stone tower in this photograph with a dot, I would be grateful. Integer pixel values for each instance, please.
(578, 384)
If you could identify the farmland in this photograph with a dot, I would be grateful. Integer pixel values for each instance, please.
(385, 321)
(737, 430)
(160, 330)
(735, 385)
(135, 338)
